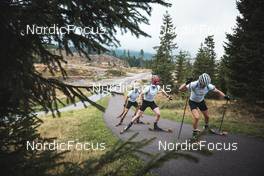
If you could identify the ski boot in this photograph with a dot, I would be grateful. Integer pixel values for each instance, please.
(126, 128)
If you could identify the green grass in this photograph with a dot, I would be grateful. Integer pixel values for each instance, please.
(87, 125)
(233, 122)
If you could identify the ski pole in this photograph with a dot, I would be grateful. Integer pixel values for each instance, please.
(183, 117)
(222, 120)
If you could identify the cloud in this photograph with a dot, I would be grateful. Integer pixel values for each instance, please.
(194, 20)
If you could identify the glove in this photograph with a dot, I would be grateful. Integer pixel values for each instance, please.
(227, 97)
(189, 80)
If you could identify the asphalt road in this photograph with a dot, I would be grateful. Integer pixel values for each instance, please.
(247, 160)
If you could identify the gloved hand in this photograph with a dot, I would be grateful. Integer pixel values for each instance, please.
(189, 80)
(227, 97)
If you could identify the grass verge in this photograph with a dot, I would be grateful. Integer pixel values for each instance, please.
(87, 125)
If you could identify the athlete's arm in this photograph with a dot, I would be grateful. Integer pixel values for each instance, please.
(183, 87)
(165, 93)
(219, 92)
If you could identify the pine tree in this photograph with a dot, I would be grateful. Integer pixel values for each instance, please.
(128, 54)
(189, 69)
(114, 53)
(244, 52)
(124, 54)
(183, 66)
(205, 59)
(222, 74)
(148, 63)
(201, 63)
(141, 57)
(163, 63)
(210, 48)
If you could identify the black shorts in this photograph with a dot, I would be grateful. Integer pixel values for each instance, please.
(194, 105)
(130, 103)
(146, 104)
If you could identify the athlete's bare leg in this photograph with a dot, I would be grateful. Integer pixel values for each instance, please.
(123, 116)
(135, 113)
(124, 109)
(206, 117)
(157, 113)
(138, 115)
(195, 115)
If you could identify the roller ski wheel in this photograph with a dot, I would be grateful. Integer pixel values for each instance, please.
(142, 123)
(160, 130)
(216, 132)
(196, 135)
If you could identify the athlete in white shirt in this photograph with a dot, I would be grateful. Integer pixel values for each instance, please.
(131, 100)
(147, 97)
(198, 91)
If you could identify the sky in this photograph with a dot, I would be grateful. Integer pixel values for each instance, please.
(193, 19)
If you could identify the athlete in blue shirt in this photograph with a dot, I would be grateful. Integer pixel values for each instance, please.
(198, 91)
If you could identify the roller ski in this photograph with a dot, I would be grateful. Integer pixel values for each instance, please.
(126, 128)
(139, 122)
(156, 128)
(217, 132)
(120, 123)
(196, 135)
